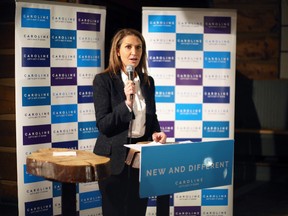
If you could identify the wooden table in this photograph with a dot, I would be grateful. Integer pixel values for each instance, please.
(68, 167)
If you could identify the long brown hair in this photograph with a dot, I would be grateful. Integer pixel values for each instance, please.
(115, 63)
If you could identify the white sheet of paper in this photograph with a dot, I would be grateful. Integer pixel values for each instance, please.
(68, 153)
(138, 147)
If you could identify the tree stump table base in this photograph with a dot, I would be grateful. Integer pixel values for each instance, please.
(68, 167)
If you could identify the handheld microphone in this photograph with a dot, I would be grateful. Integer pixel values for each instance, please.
(130, 72)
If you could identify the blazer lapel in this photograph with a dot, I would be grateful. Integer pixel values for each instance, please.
(119, 85)
(142, 86)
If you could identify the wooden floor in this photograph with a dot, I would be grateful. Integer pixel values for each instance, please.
(255, 199)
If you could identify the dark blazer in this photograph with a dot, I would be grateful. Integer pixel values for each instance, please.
(113, 116)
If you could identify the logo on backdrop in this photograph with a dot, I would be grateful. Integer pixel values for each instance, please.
(161, 59)
(39, 207)
(162, 23)
(86, 112)
(167, 127)
(211, 77)
(217, 25)
(189, 94)
(188, 129)
(189, 42)
(215, 197)
(189, 112)
(64, 132)
(36, 37)
(217, 60)
(86, 76)
(88, 58)
(216, 95)
(190, 22)
(158, 41)
(165, 94)
(87, 130)
(38, 189)
(63, 38)
(60, 57)
(216, 111)
(166, 111)
(36, 96)
(188, 198)
(62, 20)
(64, 113)
(36, 76)
(35, 18)
(86, 145)
(210, 42)
(216, 129)
(89, 40)
(187, 210)
(37, 114)
(64, 96)
(35, 57)
(89, 200)
(85, 94)
(37, 134)
(63, 76)
(88, 21)
(188, 59)
(164, 76)
(189, 76)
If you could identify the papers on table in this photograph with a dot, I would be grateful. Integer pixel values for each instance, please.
(138, 147)
(66, 153)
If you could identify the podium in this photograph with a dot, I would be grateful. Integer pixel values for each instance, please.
(68, 167)
(183, 166)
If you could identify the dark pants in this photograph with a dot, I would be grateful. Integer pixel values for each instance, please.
(163, 207)
(120, 194)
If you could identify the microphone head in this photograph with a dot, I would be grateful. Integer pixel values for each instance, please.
(130, 71)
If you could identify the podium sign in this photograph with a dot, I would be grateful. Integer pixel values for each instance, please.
(173, 168)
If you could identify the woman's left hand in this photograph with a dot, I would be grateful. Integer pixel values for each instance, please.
(159, 137)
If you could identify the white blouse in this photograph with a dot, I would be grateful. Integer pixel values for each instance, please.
(139, 109)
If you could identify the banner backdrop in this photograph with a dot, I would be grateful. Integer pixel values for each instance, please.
(58, 50)
(191, 56)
